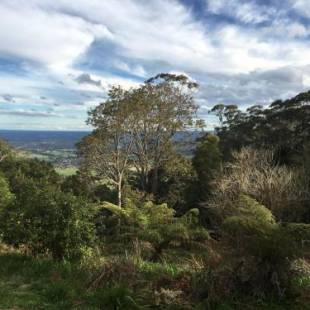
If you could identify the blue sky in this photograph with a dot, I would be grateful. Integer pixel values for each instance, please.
(59, 57)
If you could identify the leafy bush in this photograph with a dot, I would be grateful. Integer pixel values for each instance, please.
(6, 150)
(47, 221)
(262, 251)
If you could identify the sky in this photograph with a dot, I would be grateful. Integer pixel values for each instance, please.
(59, 57)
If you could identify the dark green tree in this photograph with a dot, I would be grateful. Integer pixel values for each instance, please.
(207, 163)
(283, 126)
(176, 180)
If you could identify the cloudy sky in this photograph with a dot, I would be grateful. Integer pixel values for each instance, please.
(58, 57)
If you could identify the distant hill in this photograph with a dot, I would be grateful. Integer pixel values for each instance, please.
(58, 147)
(42, 140)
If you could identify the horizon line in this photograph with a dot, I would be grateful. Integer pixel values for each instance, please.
(39, 129)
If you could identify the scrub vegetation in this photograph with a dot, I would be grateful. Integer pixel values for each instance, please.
(142, 226)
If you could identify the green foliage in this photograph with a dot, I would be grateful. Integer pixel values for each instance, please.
(249, 217)
(158, 225)
(59, 292)
(6, 151)
(207, 162)
(146, 253)
(6, 196)
(176, 181)
(284, 126)
(263, 249)
(299, 232)
(17, 170)
(48, 221)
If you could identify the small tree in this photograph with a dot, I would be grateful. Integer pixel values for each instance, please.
(18, 169)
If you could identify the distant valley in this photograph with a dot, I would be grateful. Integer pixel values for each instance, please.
(57, 147)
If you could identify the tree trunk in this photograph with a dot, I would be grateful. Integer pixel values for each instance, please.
(144, 179)
(119, 203)
(119, 193)
(155, 181)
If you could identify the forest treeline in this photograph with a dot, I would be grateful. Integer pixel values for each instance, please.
(148, 226)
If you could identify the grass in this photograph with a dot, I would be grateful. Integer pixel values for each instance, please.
(66, 171)
(27, 283)
(39, 283)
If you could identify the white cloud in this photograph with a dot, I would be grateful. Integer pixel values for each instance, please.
(52, 39)
(166, 33)
(160, 31)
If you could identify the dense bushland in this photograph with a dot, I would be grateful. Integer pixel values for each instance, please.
(142, 226)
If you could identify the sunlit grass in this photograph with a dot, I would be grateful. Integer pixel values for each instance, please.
(66, 171)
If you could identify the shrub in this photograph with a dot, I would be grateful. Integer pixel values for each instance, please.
(48, 221)
(262, 251)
